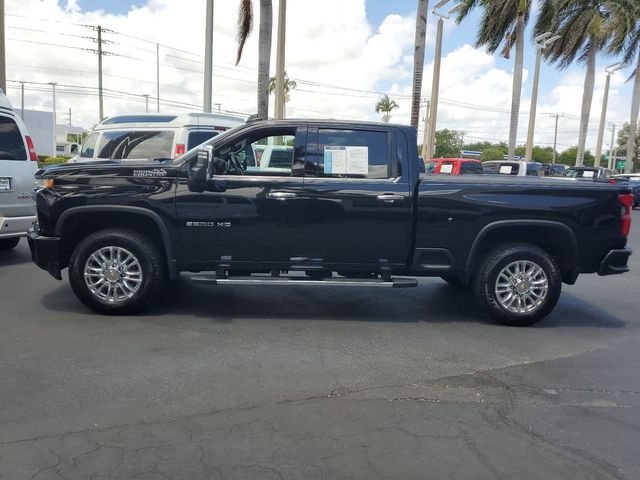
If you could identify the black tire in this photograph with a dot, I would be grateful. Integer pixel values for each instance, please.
(149, 259)
(9, 243)
(484, 284)
(455, 282)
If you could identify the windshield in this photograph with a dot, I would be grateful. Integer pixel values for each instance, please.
(582, 172)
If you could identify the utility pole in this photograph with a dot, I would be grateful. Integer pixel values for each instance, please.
(21, 96)
(603, 115)
(208, 59)
(426, 131)
(101, 114)
(100, 52)
(555, 137)
(3, 67)
(55, 122)
(282, 23)
(146, 102)
(158, 76)
(612, 159)
(541, 42)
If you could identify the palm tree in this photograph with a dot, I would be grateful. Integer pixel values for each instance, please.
(245, 25)
(504, 21)
(418, 61)
(385, 105)
(626, 41)
(288, 86)
(584, 27)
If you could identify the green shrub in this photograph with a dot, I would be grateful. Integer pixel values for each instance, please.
(44, 161)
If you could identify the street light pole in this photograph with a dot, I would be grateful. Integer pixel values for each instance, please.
(282, 24)
(435, 87)
(603, 115)
(541, 42)
(426, 130)
(208, 59)
(21, 98)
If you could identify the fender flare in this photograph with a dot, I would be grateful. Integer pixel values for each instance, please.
(157, 219)
(558, 226)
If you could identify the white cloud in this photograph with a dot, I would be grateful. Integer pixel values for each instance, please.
(328, 43)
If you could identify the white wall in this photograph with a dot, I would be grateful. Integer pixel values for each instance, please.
(42, 131)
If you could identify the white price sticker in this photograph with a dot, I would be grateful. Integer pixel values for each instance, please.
(446, 168)
(506, 169)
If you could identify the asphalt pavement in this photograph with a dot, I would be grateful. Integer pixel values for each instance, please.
(317, 383)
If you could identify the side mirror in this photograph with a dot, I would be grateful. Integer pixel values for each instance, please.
(200, 171)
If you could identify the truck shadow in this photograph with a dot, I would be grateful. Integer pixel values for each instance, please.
(432, 302)
(16, 256)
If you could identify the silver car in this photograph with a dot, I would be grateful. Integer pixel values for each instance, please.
(18, 163)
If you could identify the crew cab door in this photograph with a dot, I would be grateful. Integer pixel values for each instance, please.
(358, 200)
(250, 213)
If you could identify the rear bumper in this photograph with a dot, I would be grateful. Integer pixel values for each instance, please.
(45, 252)
(15, 226)
(615, 262)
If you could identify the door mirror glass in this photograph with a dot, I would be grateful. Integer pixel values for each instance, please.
(200, 171)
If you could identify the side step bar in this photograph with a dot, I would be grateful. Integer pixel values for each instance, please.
(289, 281)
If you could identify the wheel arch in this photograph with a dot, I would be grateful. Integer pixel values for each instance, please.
(70, 227)
(554, 237)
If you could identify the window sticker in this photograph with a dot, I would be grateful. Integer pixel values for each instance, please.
(506, 169)
(588, 173)
(446, 168)
(346, 160)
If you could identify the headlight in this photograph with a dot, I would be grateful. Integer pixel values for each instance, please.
(44, 183)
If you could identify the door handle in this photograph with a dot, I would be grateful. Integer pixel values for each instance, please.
(390, 197)
(281, 195)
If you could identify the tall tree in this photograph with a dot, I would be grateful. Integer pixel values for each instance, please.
(418, 61)
(245, 25)
(625, 40)
(503, 23)
(584, 27)
(288, 86)
(385, 105)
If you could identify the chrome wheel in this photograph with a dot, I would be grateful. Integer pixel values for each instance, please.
(521, 287)
(112, 274)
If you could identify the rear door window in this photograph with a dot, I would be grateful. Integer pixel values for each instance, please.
(198, 137)
(89, 146)
(470, 168)
(353, 153)
(11, 141)
(136, 144)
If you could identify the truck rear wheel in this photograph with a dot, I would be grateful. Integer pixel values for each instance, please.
(116, 272)
(9, 243)
(518, 284)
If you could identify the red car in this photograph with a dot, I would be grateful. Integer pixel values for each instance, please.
(454, 166)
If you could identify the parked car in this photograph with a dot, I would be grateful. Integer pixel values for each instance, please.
(151, 135)
(348, 204)
(454, 166)
(633, 180)
(18, 164)
(518, 168)
(598, 174)
(554, 169)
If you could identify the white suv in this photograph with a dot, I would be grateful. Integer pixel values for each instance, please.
(18, 163)
(152, 135)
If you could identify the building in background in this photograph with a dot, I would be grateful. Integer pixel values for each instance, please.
(41, 127)
(69, 140)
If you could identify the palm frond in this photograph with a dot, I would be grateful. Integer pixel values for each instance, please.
(245, 25)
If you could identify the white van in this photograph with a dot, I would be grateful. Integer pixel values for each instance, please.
(152, 135)
(18, 163)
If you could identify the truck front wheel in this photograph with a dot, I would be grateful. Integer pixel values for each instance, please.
(518, 284)
(116, 272)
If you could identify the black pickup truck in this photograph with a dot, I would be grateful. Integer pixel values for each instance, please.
(310, 202)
